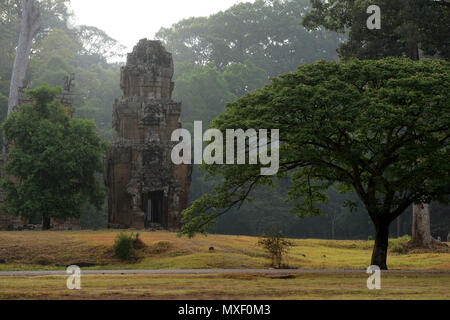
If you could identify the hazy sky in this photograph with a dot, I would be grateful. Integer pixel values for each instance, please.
(128, 21)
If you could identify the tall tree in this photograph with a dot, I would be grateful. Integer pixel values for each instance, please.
(29, 27)
(95, 42)
(54, 160)
(408, 26)
(54, 14)
(379, 128)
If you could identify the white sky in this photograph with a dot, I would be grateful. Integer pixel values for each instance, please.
(128, 21)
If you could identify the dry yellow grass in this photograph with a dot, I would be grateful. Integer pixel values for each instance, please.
(207, 287)
(54, 250)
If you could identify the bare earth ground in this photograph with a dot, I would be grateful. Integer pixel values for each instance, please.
(180, 268)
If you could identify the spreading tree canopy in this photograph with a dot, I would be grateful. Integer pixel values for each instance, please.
(380, 128)
(53, 160)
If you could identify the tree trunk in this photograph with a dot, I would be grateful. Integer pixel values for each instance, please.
(399, 227)
(46, 223)
(333, 217)
(379, 255)
(332, 229)
(420, 232)
(29, 27)
(412, 48)
(421, 227)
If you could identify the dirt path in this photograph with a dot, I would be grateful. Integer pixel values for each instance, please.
(209, 271)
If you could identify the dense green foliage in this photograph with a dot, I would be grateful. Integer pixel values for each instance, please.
(59, 50)
(266, 32)
(409, 28)
(123, 246)
(406, 26)
(205, 90)
(126, 246)
(380, 128)
(53, 160)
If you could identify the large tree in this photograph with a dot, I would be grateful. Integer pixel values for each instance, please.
(29, 27)
(53, 160)
(379, 128)
(53, 14)
(407, 28)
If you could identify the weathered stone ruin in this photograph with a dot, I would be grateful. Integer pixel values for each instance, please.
(146, 190)
(66, 97)
(8, 222)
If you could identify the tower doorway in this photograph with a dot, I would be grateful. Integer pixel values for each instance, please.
(154, 208)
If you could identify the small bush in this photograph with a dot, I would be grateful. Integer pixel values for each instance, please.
(124, 247)
(161, 247)
(277, 246)
(399, 245)
(43, 260)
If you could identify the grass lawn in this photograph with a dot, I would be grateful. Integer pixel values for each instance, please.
(55, 250)
(212, 287)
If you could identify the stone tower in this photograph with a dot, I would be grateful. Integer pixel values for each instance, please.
(146, 190)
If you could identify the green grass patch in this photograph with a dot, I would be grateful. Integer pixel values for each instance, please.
(164, 250)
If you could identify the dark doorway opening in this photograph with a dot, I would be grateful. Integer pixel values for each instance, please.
(154, 208)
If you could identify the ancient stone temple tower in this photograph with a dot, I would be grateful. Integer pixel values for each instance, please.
(146, 190)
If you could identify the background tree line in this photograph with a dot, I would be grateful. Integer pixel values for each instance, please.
(217, 60)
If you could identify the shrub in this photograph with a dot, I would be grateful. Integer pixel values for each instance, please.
(399, 245)
(126, 245)
(277, 246)
(123, 246)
